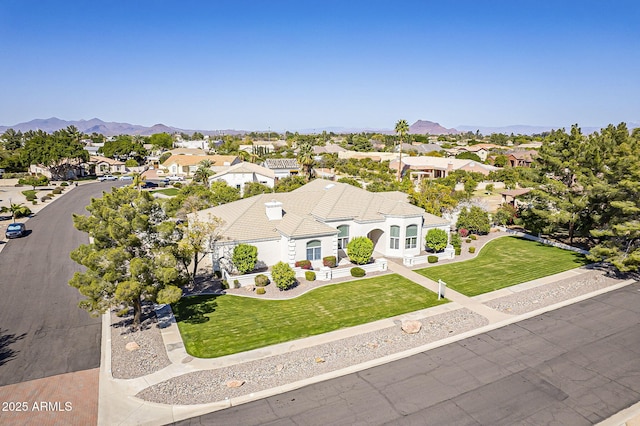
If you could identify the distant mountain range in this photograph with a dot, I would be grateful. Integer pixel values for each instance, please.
(420, 127)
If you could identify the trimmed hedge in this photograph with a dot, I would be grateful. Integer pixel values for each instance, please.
(458, 251)
(329, 261)
(310, 276)
(260, 290)
(468, 240)
(358, 272)
(261, 280)
(432, 259)
(473, 237)
(304, 264)
(472, 249)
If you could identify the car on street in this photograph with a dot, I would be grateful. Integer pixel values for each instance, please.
(16, 230)
(175, 178)
(106, 177)
(149, 184)
(125, 177)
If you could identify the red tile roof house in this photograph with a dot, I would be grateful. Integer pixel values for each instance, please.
(318, 220)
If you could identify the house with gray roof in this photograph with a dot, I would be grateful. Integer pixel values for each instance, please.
(282, 167)
(318, 220)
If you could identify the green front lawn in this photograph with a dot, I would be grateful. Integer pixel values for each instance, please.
(213, 326)
(168, 191)
(504, 262)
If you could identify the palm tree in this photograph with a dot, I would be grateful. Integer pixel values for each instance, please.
(402, 128)
(16, 209)
(138, 179)
(203, 172)
(305, 157)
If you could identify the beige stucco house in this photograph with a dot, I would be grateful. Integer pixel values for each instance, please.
(318, 220)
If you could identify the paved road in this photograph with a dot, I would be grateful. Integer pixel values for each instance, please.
(573, 366)
(42, 331)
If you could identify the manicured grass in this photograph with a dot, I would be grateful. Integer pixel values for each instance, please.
(215, 326)
(168, 191)
(504, 262)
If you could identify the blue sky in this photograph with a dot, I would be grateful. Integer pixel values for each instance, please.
(312, 64)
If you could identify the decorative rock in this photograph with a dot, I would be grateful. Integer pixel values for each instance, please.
(132, 346)
(235, 383)
(319, 360)
(279, 367)
(411, 327)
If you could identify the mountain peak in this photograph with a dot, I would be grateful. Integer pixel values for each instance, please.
(422, 127)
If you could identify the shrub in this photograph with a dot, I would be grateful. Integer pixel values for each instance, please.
(358, 272)
(131, 163)
(329, 261)
(474, 219)
(260, 290)
(45, 198)
(472, 249)
(245, 257)
(64, 184)
(57, 191)
(458, 251)
(304, 264)
(468, 240)
(436, 239)
(456, 241)
(432, 259)
(473, 237)
(31, 197)
(225, 284)
(34, 202)
(261, 280)
(310, 276)
(360, 250)
(34, 181)
(464, 232)
(489, 188)
(177, 185)
(283, 275)
(236, 284)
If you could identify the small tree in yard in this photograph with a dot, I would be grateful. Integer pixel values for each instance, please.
(198, 238)
(283, 275)
(245, 257)
(475, 220)
(436, 239)
(360, 250)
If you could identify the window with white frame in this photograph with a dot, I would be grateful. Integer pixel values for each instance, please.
(411, 240)
(343, 236)
(314, 250)
(394, 237)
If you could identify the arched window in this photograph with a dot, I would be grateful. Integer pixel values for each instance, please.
(411, 240)
(394, 237)
(314, 250)
(343, 236)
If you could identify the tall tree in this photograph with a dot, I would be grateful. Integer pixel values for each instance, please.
(402, 129)
(199, 237)
(58, 151)
(305, 158)
(203, 172)
(134, 255)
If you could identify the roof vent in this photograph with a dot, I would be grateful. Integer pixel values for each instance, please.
(273, 210)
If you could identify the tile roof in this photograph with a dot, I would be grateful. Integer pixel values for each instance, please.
(101, 159)
(245, 167)
(281, 163)
(192, 160)
(306, 210)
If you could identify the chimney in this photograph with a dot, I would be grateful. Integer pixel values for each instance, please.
(274, 210)
(450, 166)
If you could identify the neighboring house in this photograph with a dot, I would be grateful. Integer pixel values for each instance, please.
(424, 148)
(437, 167)
(240, 174)
(282, 167)
(258, 147)
(330, 148)
(105, 166)
(375, 155)
(188, 151)
(521, 158)
(481, 150)
(318, 220)
(511, 196)
(200, 145)
(72, 169)
(186, 165)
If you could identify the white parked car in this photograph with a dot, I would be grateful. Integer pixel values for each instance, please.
(126, 177)
(106, 177)
(174, 178)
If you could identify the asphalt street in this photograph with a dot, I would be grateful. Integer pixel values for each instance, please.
(42, 330)
(577, 365)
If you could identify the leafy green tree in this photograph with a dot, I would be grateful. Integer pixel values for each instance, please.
(12, 140)
(161, 140)
(245, 257)
(500, 160)
(505, 215)
(433, 197)
(203, 172)
(164, 157)
(34, 181)
(437, 239)
(283, 275)
(401, 129)
(255, 188)
(223, 193)
(133, 256)
(198, 238)
(60, 152)
(350, 181)
(474, 219)
(290, 183)
(361, 143)
(131, 163)
(469, 156)
(124, 147)
(360, 250)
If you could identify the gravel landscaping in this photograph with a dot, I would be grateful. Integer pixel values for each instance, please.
(211, 385)
(151, 355)
(530, 300)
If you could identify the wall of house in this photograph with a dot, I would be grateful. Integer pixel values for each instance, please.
(326, 249)
(235, 179)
